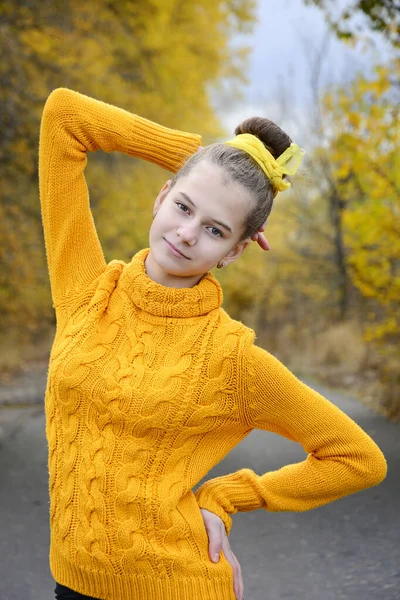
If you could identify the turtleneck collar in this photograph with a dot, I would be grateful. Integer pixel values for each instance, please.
(163, 301)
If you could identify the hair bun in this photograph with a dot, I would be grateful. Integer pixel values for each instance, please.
(272, 136)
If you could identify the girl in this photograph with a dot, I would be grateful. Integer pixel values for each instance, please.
(151, 383)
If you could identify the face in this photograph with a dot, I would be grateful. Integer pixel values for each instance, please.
(198, 223)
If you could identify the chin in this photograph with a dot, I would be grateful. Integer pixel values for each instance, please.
(178, 268)
(168, 266)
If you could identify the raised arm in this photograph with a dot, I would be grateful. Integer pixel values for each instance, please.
(341, 457)
(72, 125)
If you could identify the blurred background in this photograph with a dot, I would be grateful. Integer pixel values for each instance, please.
(325, 299)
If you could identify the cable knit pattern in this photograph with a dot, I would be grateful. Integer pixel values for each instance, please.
(149, 387)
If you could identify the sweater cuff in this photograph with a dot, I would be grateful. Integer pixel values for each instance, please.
(229, 494)
(205, 499)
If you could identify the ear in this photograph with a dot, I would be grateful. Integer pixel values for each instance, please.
(236, 252)
(162, 194)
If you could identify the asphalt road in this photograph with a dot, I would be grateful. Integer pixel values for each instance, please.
(347, 550)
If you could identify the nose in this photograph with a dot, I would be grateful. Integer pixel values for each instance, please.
(187, 234)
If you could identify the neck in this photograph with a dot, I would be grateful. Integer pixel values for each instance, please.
(160, 276)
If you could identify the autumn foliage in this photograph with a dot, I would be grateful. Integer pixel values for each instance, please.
(327, 296)
(161, 59)
(334, 267)
(330, 288)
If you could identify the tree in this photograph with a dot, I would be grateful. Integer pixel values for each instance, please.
(349, 199)
(381, 16)
(364, 150)
(155, 58)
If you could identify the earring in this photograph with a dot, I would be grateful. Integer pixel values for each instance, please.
(220, 265)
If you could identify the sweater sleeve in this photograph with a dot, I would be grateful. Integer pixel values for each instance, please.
(72, 125)
(341, 458)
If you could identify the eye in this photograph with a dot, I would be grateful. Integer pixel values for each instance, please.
(216, 232)
(182, 207)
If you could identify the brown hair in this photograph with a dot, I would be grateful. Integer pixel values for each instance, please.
(241, 167)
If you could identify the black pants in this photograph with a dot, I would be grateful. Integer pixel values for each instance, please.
(64, 593)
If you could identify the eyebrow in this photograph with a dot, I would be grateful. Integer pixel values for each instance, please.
(188, 199)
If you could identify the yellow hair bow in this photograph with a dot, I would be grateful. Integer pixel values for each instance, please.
(286, 164)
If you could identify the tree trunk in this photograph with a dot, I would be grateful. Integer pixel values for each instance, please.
(335, 212)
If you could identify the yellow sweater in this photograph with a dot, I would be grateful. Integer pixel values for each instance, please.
(149, 387)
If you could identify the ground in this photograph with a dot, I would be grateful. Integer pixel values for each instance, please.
(348, 550)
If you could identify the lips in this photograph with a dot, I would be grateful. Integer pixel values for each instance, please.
(176, 249)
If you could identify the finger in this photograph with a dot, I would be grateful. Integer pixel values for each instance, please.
(263, 242)
(259, 230)
(238, 585)
(215, 543)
